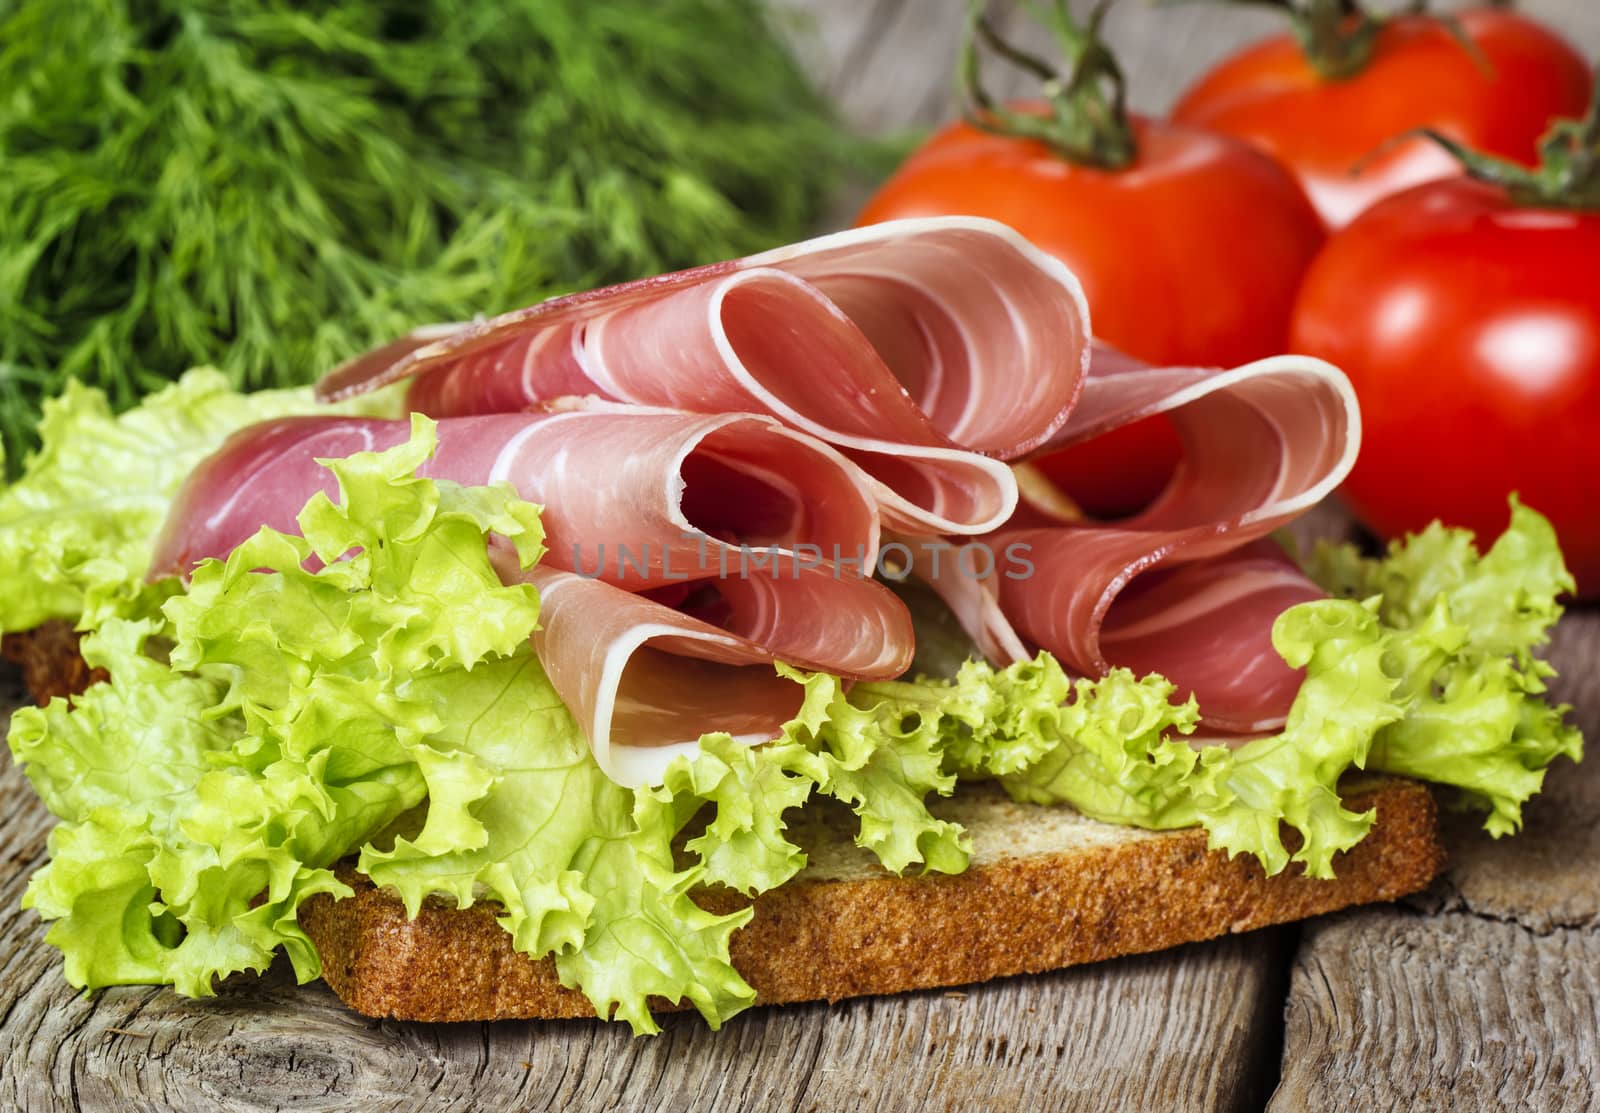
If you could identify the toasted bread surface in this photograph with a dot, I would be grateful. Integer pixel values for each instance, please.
(50, 662)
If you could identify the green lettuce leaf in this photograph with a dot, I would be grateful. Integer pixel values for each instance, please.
(272, 719)
(256, 730)
(586, 869)
(881, 757)
(173, 830)
(1292, 778)
(77, 529)
(1431, 674)
(750, 788)
(1111, 754)
(997, 721)
(520, 813)
(1115, 750)
(1466, 628)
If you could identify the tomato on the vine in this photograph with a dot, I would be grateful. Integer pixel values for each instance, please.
(1469, 323)
(1326, 100)
(1190, 246)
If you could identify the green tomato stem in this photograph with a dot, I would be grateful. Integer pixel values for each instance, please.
(1568, 173)
(1340, 37)
(1087, 122)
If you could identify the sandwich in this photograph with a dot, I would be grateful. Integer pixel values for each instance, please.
(721, 639)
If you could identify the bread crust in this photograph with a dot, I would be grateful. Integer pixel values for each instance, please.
(50, 662)
(827, 939)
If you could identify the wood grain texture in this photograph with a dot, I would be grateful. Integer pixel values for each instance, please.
(1395, 1011)
(1493, 999)
(889, 64)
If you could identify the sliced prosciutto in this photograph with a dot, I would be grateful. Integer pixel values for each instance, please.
(645, 500)
(645, 681)
(1179, 588)
(927, 350)
(700, 540)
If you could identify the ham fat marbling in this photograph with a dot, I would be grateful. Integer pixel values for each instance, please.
(797, 404)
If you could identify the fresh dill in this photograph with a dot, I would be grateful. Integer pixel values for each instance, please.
(270, 187)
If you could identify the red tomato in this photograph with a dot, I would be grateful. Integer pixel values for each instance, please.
(1471, 330)
(1419, 76)
(1189, 255)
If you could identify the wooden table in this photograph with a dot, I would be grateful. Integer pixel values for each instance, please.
(1483, 993)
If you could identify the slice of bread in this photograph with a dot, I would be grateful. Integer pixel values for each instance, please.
(50, 662)
(1047, 888)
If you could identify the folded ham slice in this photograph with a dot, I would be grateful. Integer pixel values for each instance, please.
(732, 517)
(927, 350)
(770, 411)
(645, 681)
(640, 499)
(1178, 589)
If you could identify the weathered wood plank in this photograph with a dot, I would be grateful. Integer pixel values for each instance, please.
(890, 64)
(1181, 1030)
(1395, 1011)
(1493, 1002)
